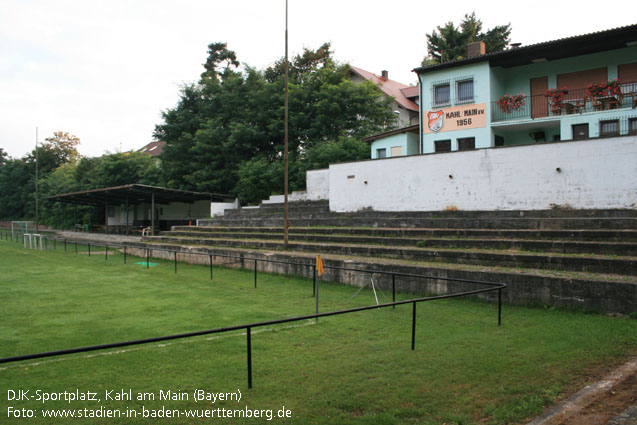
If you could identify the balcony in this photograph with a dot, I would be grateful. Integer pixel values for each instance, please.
(569, 102)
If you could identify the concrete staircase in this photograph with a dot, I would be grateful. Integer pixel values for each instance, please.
(585, 259)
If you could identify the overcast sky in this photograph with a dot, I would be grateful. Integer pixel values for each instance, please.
(104, 70)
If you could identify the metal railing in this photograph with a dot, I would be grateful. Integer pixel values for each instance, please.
(490, 286)
(616, 126)
(573, 102)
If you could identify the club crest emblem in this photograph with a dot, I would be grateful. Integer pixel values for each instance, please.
(435, 120)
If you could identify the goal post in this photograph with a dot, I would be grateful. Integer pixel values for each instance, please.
(22, 227)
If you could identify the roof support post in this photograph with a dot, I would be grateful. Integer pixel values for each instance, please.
(106, 215)
(126, 215)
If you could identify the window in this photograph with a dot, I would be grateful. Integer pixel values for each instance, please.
(465, 91)
(581, 79)
(609, 128)
(580, 131)
(466, 143)
(442, 94)
(396, 151)
(632, 126)
(443, 145)
(381, 153)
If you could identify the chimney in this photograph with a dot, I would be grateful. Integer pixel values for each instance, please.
(384, 75)
(476, 49)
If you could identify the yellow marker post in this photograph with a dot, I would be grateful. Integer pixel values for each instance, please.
(319, 265)
(319, 272)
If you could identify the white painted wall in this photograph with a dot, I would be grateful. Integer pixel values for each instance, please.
(217, 208)
(274, 199)
(599, 173)
(317, 186)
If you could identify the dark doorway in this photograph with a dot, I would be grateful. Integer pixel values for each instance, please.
(580, 131)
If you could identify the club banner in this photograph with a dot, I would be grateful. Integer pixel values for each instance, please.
(456, 118)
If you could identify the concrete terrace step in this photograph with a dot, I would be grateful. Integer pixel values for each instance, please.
(593, 223)
(323, 206)
(605, 293)
(553, 246)
(581, 263)
(518, 234)
(276, 210)
(597, 246)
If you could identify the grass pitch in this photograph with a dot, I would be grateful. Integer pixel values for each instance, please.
(351, 369)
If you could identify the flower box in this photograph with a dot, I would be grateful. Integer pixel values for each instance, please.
(511, 102)
(556, 95)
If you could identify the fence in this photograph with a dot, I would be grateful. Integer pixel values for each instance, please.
(490, 286)
(573, 101)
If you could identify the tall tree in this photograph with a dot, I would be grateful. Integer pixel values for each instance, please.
(218, 54)
(16, 190)
(17, 176)
(61, 180)
(260, 177)
(118, 169)
(449, 42)
(64, 147)
(59, 149)
(232, 116)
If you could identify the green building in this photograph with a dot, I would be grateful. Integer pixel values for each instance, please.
(574, 88)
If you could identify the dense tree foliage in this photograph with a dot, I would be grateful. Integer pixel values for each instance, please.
(449, 42)
(62, 170)
(225, 135)
(230, 124)
(17, 186)
(118, 169)
(17, 176)
(259, 177)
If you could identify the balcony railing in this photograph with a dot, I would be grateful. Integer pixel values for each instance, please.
(573, 102)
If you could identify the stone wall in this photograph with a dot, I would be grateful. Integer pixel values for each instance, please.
(577, 294)
(587, 174)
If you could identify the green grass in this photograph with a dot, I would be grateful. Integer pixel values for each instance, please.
(351, 369)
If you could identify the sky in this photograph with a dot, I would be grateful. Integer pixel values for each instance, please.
(105, 70)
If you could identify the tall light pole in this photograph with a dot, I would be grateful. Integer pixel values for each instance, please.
(37, 230)
(286, 223)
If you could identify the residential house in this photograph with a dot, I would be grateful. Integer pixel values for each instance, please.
(404, 97)
(530, 128)
(573, 88)
(154, 148)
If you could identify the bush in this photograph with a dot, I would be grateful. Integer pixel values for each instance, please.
(259, 177)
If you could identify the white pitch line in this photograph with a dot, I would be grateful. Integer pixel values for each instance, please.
(159, 345)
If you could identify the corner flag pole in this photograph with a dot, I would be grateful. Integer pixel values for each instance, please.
(285, 152)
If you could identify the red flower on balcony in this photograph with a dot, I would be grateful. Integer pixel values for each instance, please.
(614, 88)
(511, 102)
(609, 88)
(556, 95)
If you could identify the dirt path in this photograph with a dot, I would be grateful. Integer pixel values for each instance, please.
(598, 403)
